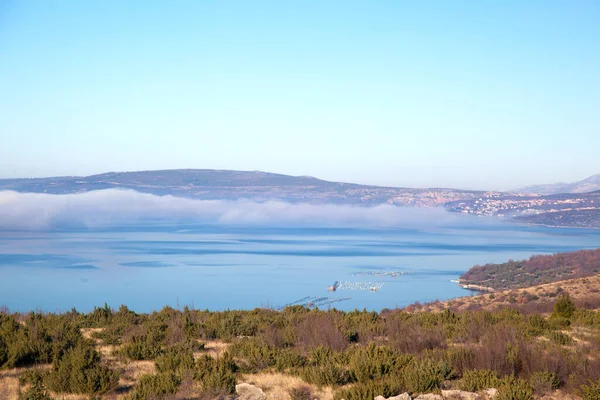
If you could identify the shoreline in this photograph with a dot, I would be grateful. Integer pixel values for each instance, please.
(477, 288)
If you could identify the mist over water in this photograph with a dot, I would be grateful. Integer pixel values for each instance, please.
(34, 211)
(145, 251)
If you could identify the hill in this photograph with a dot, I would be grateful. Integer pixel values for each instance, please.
(537, 270)
(231, 185)
(585, 292)
(566, 209)
(584, 186)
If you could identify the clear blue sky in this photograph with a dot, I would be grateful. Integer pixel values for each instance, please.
(470, 94)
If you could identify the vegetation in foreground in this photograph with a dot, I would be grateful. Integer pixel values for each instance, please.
(358, 354)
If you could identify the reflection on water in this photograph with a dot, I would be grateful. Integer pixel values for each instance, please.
(215, 267)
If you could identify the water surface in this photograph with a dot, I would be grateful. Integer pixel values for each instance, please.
(148, 266)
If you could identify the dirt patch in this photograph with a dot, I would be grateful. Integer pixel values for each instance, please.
(9, 387)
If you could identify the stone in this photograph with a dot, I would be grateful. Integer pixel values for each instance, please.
(490, 394)
(461, 395)
(403, 396)
(430, 396)
(247, 391)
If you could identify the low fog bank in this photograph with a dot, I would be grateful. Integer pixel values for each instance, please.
(34, 211)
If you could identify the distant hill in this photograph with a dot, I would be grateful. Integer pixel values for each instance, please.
(565, 209)
(231, 185)
(590, 184)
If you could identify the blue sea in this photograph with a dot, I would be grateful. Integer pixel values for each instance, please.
(149, 265)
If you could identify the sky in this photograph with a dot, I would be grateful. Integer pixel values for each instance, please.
(466, 94)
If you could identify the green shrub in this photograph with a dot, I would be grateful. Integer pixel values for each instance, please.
(79, 371)
(155, 386)
(512, 388)
(537, 325)
(564, 307)
(475, 380)
(289, 359)
(178, 358)
(544, 382)
(560, 338)
(216, 375)
(375, 362)
(147, 346)
(327, 374)
(425, 376)
(387, 387)
(36, 390)
(3, 352)
(591, 391)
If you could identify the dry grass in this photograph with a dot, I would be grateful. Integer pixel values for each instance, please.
(9, 386)
(88, 332)
(214, 348)
(277, 386)
(581, 290)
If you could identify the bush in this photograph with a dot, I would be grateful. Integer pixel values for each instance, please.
(590, 391)
(560, 338)
(156, 386)
(512, 388)
(301, 393)
(147, 346)
(177, 359)
(544, 382)
(387, 387)
(375, 362)
(217, 375)
(37, 390)
(425, 376)
(328, 374)
(564, 307)
(79, 371)
(475, 380)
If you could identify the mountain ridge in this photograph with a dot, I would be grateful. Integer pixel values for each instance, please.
(562, 209)
(210, 184)
(587, 185)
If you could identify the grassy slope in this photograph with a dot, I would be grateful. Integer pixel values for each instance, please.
(537, 270)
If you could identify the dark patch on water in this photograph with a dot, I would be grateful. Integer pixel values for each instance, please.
(147, 264)
(47, 261)
(294, 252)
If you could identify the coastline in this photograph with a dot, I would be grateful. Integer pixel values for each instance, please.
(477, 288)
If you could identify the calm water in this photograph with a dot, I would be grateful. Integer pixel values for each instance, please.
(216, 267)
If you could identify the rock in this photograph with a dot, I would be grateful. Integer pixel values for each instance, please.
(430, 396)
(490, 394)
(403, 396)
(461, 395)
(247, 391)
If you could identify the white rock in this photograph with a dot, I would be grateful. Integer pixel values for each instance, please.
(490, 394)
(247, 391)
(403, 396)
(461, 395)
(430, 396)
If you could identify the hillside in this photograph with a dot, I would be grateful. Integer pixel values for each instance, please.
(584, 186)
(232, 185)
(301, 354)
(585, 292)
(574, 218)
(537, 270)
(566, 209)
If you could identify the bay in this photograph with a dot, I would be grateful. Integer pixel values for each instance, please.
(150, 265)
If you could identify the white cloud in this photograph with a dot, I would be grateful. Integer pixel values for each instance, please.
(105, 207)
